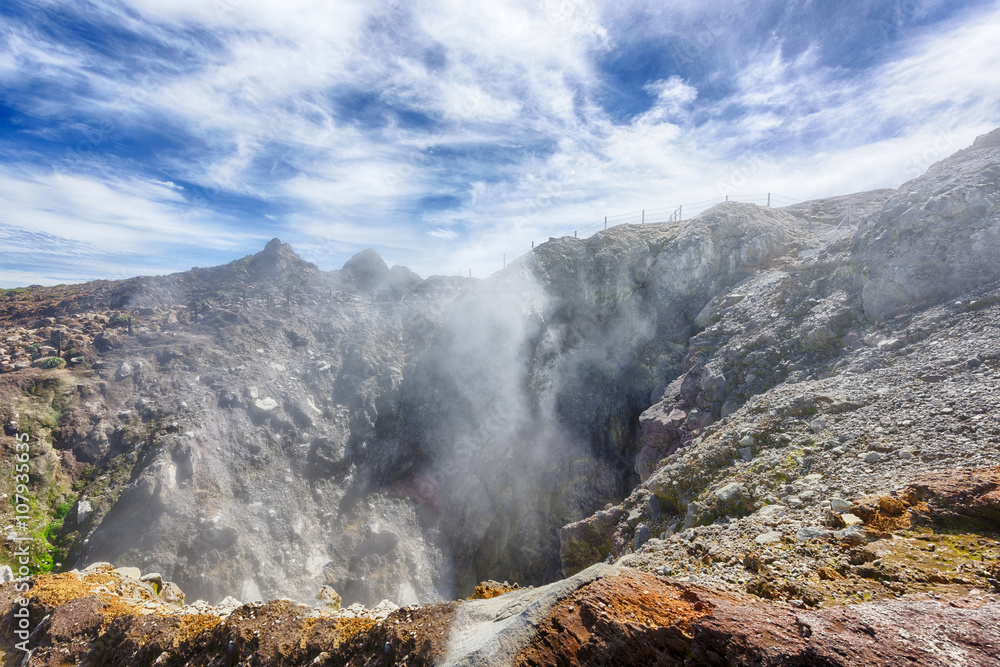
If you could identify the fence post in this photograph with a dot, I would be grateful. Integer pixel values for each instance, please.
(643, 216)
(727, 198)
(605, 223)
(574, 233)
(769, 200)
(532, 245)
(680, 212)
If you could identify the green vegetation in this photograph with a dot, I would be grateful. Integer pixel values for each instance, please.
(48, 496)
(53, 362)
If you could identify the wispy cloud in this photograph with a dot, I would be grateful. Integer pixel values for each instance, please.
(445, 133)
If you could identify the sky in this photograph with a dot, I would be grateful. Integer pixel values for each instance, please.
(143, 137)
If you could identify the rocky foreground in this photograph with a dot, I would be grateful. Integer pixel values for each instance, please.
(604, 615)
(756, 437)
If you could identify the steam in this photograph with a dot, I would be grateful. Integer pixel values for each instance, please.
(398, 450)
(516, 408)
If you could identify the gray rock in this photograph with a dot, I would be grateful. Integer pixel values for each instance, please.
(642, 535)
(217, 534)
(817, 425)
(855, 534)
(692, 516)
(839, 505)
(6, 574)
(729, 492)
(807, 533)
(714, 384)
(872, 457)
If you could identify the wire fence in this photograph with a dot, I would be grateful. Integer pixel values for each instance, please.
(642, 216)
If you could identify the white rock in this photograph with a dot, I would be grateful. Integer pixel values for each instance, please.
(265, 404)
(130, 572)
(768, 537)
(772, 511)
(83, 510)
(839, 505)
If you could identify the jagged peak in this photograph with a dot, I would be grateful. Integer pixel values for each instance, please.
(277, 259)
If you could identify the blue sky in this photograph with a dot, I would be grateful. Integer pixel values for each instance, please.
(149, 136)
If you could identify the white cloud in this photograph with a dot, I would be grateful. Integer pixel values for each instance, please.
(260, 103)
(443, 234)
(119, 216)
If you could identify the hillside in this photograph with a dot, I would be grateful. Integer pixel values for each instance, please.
(750, 433)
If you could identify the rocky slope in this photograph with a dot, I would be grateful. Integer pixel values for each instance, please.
(753, 412)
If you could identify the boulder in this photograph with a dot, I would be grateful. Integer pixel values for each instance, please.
(589, 541)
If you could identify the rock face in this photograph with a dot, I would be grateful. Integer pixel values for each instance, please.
(746, 401)
(937, 236)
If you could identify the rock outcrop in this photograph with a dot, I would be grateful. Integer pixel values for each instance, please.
(937, 236)
(602, 616)
(756, 414)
